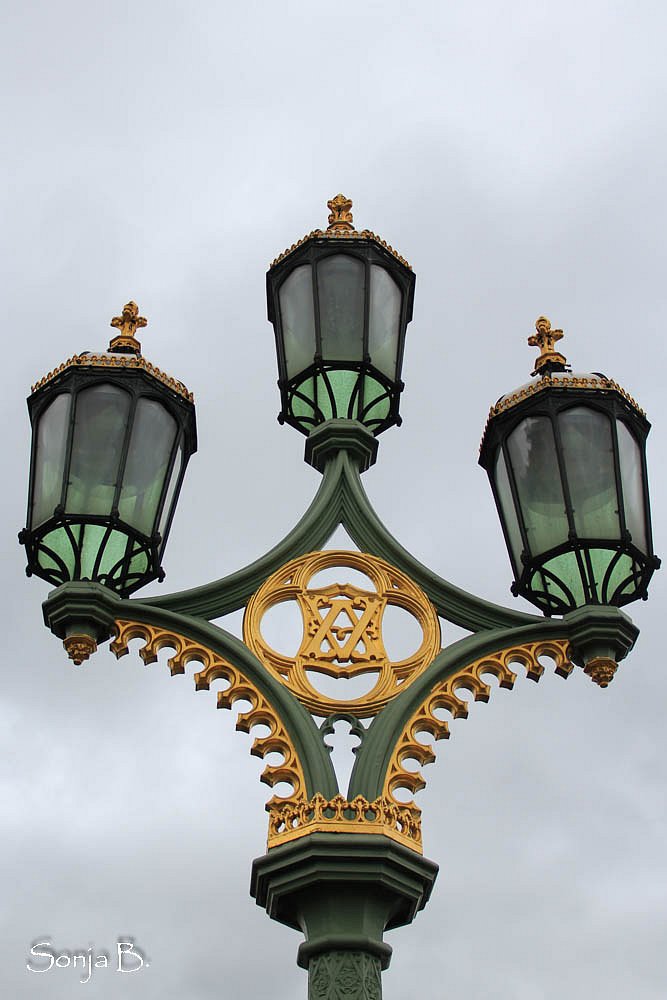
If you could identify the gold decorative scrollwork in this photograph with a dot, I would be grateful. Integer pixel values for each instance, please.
(444, 696)
(239, 689)
(342, 629)
(79, 647)
(299, 817)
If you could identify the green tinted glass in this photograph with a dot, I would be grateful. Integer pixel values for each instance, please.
(50, 459)
(566, 570)
(508, 510)
(298, 320)
(532, 452)
(632, 477)
(340, 286)
(100, 425)
(171, 490)
(146, 466)
(589, 466)
(385, 311)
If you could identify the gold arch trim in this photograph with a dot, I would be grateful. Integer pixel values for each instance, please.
(341, 651)
(445, 696)
(215, 667)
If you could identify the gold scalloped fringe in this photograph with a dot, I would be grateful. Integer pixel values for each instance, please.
(240, 688)
(444, 696)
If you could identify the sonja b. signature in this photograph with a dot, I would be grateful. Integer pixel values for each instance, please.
(125, 957)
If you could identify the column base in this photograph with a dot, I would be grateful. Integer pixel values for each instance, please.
(343, 891)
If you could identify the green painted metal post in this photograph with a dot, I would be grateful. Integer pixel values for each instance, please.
(343, 891)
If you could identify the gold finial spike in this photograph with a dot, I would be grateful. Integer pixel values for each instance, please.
(341, 216)
(128, 324)
(545, 338)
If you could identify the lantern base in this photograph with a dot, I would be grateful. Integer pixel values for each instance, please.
(333, 436)
(82, 615)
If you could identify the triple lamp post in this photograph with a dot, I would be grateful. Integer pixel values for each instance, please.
(565, 456)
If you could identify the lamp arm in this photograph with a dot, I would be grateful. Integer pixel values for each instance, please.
(95, 610)
(232, 592)
(453, 604)
(494, 651)
(311, 755)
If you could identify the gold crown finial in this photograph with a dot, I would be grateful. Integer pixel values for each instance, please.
(128, 323)
(545, 338)
(341, 216)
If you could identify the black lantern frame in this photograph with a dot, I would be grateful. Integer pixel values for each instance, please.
(630, 563)
(106, 547)
(370, 396)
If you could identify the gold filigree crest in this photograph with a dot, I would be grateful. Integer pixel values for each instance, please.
(444, 696)
(240, 688)
(298, 818)
(342, 629)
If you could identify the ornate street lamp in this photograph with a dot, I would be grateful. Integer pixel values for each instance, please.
(340, 302)
(566, 462)
(566, 457)
(112, 436)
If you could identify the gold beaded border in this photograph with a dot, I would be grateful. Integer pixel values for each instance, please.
(116, 361)
(342, 234)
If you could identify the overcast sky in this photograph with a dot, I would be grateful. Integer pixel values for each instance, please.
(516, 155)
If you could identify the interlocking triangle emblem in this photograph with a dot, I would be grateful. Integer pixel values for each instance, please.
(343, 626)
(342, 630)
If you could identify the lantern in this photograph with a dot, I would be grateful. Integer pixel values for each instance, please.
(566, 457)
(112, 436)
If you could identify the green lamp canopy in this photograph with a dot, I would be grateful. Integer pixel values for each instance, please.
(566, 457)
(112, 436)
(340, 302)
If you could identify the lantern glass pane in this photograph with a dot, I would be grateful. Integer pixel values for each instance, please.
(632, 478)
(56, 552)
(532, 453)
(100, 423)
(151, 442)
(50, 459)
(171, 490)
(340, 286)
(589, 465)
(377, 403)
(339, 384)
(562, 579)
(298, 320)
(508, 510)
(385, 311)
(102, 552)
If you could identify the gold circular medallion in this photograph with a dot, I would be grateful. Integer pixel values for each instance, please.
(342, 629)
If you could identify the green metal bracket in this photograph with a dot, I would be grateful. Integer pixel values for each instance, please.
(342, 449)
